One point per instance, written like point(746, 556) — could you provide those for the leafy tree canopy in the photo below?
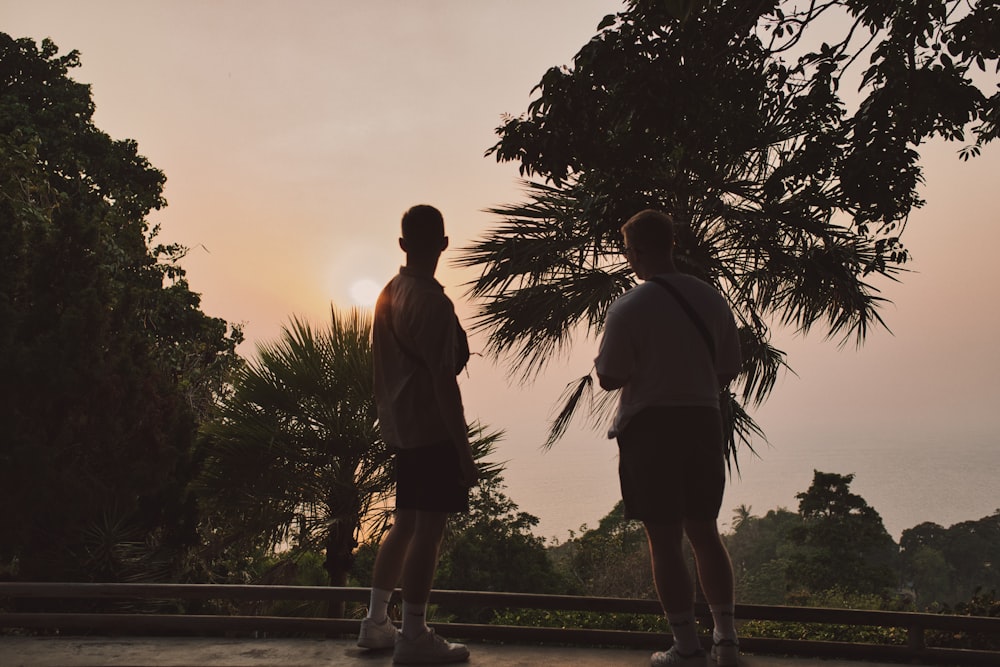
point(952, 565)
point(790, 196)
point(842, 542)
point(492, 549)
point(758, 547)
point(106, 361)
point(610, 560)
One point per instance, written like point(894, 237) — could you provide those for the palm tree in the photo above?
point(742, 517)
point(294, 462)
point(790, 207)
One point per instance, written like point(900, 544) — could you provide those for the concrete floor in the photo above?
point(214, 652)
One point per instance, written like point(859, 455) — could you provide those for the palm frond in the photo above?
point(571, 398)
point(738, 427)
point(757, 162)
point(296, 443)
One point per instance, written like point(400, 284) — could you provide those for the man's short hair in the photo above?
point(650, 230)
point(423, 227)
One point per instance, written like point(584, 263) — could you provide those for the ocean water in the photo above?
point(576, 483)
point(907, 485)
point(910, 415)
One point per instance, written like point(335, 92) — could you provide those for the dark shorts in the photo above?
point(671, 465)
point(428, 479)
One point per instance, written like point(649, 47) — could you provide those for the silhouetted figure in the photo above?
point(418, 348)
point(669, 344)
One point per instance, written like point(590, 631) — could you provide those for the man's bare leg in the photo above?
point(715, 569)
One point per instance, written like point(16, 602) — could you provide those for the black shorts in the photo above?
point(671, 465)
point(429, 479)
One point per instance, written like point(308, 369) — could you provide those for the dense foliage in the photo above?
point(611, 560)
point(492, 548)
point(791, 195)
point(841, 542)
point(778, 560)
point(489, 549)
point(836, 545)
point(833, 552)
point(835, 542)
point(980, 604)
point(294, 461)
point(759, 548)
point(952, 565)
point(106, 361)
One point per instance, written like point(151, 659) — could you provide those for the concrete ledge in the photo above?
point(215, 652)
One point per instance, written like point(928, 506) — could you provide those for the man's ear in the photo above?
point(402, 244)
point(444, 244)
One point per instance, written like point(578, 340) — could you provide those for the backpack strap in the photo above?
point(696, 319)
point(461, 340)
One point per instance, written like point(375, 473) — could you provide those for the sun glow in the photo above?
point(365, 292)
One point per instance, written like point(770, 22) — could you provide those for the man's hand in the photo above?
point(469, 471)
point(609, 383)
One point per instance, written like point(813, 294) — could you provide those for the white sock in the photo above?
point(724, 617)
point(685, 632)
point(379, 606)
point(414, 619)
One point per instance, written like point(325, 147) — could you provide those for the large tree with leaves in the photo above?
point(952, 565)
point(759, 548)
point(841, 543)
point(790, 196)
point(480, 547)
point(106, 360)
point(611, 560)
point(294, 462)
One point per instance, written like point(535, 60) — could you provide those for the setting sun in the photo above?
point(364, 292)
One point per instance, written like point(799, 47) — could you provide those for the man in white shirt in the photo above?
point(416, 350)
point(670, 344)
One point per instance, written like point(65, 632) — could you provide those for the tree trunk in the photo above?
point(339, 558)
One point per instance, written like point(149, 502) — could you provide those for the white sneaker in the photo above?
point(726, 652)
point(428, 649)
point(674, 657)
point(377, 635)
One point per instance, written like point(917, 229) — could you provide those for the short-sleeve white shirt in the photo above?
point(413, 337)
point(650, 342)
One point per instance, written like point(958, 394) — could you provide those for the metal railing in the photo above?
point(915, 624)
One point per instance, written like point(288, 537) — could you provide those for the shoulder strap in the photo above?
point(462, 342)
point(692, 313)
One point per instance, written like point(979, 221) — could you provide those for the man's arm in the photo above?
point(449, 403)
point(728, 355)
point(439, 317)
point(614, 362)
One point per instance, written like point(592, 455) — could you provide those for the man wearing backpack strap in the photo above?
point(669, 351)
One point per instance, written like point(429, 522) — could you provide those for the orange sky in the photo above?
point(294, 134)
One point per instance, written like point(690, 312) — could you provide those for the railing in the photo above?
point(915, 624)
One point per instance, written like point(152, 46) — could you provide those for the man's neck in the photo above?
point(422, 266)
point(656, 268)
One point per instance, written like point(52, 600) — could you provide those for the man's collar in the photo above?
point(410, 273)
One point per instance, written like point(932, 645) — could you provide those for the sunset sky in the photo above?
point(294, 134)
